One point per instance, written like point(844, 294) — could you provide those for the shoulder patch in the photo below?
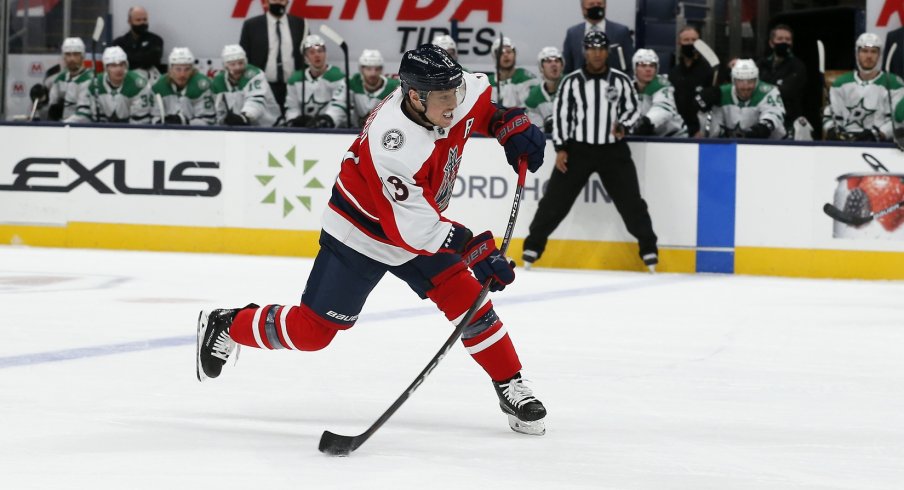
point(393, 140)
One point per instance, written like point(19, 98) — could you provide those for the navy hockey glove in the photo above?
point(233, 119)
point(758, 131)
point(515, 132)
point(482, 257)
point(456, 240)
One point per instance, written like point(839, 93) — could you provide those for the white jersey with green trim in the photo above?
point(130, 102)
point(363, 100)
point(250, 95)
point(539, 104)
point(72, 90)
point(315, 94)
point(657, 103)
point(513, 91)
point(193, 103)
point(857, 105)
point(734, 116)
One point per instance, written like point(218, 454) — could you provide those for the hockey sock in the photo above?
point(282, 327)
point(485, 337)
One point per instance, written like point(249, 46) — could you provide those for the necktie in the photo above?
point(280, 77)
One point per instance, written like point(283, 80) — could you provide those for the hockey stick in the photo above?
point(710, 56)
point(339, 445)
point(855, 220)
point(98, 30)
point(621, 56)
point(499, 70)
point(821, 53)
point(898, 139)
point(336, 38)
point(34, 109)
point(160, 108)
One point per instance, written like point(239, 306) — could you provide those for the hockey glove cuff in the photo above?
point(487, 262)
point(456, 240)
point(514, 131)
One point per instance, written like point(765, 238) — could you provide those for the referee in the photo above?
point(592, 109)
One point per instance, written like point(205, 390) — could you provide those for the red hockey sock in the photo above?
point(282, 327)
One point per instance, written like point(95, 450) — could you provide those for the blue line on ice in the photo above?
point(151, 344)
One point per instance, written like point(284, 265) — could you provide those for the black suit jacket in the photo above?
point(256, 41)
point(573, 49)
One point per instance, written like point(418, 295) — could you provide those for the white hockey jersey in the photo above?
point(512, 92)
point(363, 102)
point(315, 94)
point(194, 102)
point(733, 116)
point(857, 105)
point(130, 102)
point(397, 178)
point(72, 90)
point(250, 96)
point(539, 105)
point(657, 103)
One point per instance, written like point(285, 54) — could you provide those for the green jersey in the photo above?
point(512, 92)
point(539, 104)
point(193, 103)
point(363, 101)
point(734, 116)
point(657, 103)
point(314, 95)
point(129, 102)
point(250, 96)
point(857, 105)
point(72, 90)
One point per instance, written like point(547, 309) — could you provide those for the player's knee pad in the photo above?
point(283, 327)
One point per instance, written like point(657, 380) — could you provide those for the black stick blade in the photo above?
point(848, 219)
point(336, 445)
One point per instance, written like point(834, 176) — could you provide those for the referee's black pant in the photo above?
point(616, 169)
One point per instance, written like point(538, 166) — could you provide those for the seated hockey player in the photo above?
point(243, 96)
point(747, 107)
point(312, 90)
point(120, 95)
point(385, 215)
point(858, 108)
point(539, 102)
point(368, 87)
point(185, 92)
point(514, 83)
point(657, 99)
point(68, 99)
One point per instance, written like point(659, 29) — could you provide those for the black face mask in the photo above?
point(688, 51)
point(277, 9)
point(140, 29)
point(596, 13)
point(782, 50)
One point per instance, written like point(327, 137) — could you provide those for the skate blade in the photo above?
point(652, 269)
point(535, 428)
point(202, 327)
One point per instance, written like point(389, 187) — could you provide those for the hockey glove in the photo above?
point(865, 135)
point(298, 122)
point(707, 97)
point(547, 125)
point(644, 127)
point(55, 113)
point(832, 134)
point(485, 260)
point(39, 92)
point(324, 121)
point(175, 119)
point(758, 131)
point(233, 119)
point(456, 240)
point(514, 131)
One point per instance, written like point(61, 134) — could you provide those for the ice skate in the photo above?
point(651, 260)
point(214, 345)
point(525, 413)
point(529, 257)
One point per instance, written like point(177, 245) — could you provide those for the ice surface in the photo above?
point(651, 382)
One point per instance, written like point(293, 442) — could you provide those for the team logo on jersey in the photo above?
point(859, 113)
point(612, 94)
point(393, 139)
point(283, 180)
point(450, 171)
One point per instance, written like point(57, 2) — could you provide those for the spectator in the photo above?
point(540, 98)
point(368, 87)
point(185, 93)
point(120, 94)
point(689, 76)
point(657, 99)
point(859, 101)
point(748, 107)
point(243, 96)
point(514, 83)
point(143, 48)
point(272, 42)
point(595, 20)
point(69, 97)
point(311, 90)
point(589, 144)
point(785, 71)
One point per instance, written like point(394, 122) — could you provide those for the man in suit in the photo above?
point(595, 20)
point(272, 42)
point(144, 49)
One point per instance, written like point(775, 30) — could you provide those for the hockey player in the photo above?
point(120, 95)
point(657, 99)
point(859, 108)
point(243, 96)
point(385, 215)
point(539, 101)
point(368, 88)
point(514, 83)
point(185, 91)
point(748, 107)
point(311, 90)
point(446, 42)
point(69, 97)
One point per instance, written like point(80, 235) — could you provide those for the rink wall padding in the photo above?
point(717, 206)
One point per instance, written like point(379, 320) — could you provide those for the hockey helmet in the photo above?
point(596, 39)
point(867, 40)
point(645, 56)
point(428, 68)
point(745, 70)
point(233, 52)
point(181, 56)
point(370, 57)
point(445, 41)
point(311, 41)
point(549, 53)
point(507, 42)
point(73, 45)
point(115, 55)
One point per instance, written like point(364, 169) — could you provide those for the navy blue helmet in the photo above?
point(427, 68)
point(595, 39)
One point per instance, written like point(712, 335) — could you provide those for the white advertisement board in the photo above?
point(884, 15)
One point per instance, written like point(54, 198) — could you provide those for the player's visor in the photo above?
point(446, 97)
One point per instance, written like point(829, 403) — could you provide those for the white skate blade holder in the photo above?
point(535, 428)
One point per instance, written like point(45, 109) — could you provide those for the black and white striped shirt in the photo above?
point(587, 107)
